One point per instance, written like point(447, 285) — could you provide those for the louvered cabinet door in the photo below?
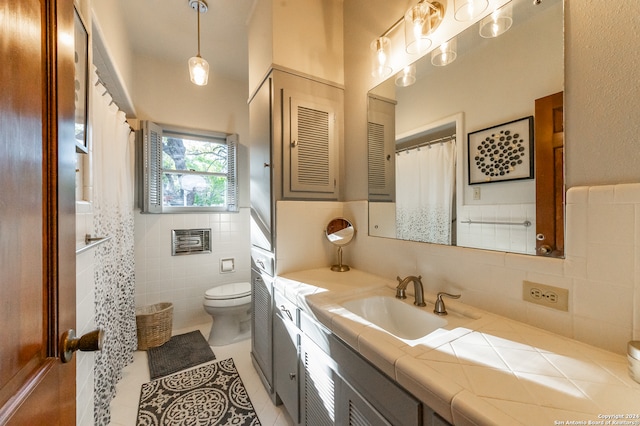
point(312, 146)
point(354, 410)
point(381, 150)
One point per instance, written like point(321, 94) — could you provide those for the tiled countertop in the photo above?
point(489, 370)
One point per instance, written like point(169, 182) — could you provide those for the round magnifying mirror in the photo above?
point(340, 232)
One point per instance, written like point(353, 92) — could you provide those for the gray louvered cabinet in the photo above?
point(355, 410)
point(381, 141)
point(296, 140)
point(318, 385)
point(262, 328)
point(310, 145)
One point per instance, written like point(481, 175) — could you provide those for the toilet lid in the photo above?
point(228, 291)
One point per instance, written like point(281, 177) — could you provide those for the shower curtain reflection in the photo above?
point(425, 189)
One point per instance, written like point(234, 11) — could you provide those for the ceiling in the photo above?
point(167, 29)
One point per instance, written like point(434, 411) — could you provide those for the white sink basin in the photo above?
point(396, 317)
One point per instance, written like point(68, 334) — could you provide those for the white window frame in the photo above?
point(151, 170)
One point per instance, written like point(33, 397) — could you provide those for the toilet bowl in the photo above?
point(230, 307)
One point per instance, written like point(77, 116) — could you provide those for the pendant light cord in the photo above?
point(198, 29)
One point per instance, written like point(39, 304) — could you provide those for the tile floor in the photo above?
point(124, 407)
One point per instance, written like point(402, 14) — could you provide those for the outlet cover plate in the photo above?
point(546, 295)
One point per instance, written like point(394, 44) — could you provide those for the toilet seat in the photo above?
point(234, 294)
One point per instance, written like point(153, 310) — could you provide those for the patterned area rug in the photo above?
point(179, 353)
point(205, 396)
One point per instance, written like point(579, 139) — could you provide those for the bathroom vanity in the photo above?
point(321, 380)
point(332, 366)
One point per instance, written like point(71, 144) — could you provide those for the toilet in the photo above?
point(230, 307)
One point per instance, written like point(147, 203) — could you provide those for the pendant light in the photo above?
point(198, 66)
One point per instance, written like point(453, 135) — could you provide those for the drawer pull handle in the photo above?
point(286, 311)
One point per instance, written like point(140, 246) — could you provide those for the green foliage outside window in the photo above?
point(194, 172)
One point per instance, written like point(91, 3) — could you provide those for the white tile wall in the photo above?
point(183, 280)
point(85, 316)
point(516, 239)
point(601, 269)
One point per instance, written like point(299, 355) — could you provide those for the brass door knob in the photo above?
point(69, 343)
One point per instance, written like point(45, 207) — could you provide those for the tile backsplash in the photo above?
point(601, 269)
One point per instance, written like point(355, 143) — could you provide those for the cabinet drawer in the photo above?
point(316, 331)
point(394, 403)
point(285, 309)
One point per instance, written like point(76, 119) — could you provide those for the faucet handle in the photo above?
point(439, 308)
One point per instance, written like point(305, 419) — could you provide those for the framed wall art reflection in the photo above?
point(81, 81)
point(501, 153)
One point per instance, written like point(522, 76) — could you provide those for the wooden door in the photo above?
point(549, 148)
point(37, 222)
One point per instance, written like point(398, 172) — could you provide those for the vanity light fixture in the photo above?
point(407, 76)
point(467, 10)
point(420, 21)
point(198, 66)
point(380, 54)
point(445, 53)
point(497, 22)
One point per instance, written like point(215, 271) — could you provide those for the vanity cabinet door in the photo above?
point(262, 327)
point(389, 399)
point(318, 385)
point(286, 337)
point(353, 409)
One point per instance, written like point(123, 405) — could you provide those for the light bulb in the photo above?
point(199, 70)
point(382, 57)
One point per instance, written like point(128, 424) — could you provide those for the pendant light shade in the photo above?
point(417, 25)
point(467, 10)
point(498, 22)
point(198, 70)
point(380, 57)
point(407, 76)
point(198, 67)
point(445, 53)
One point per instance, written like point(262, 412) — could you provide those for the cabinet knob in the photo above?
point(267, 165)
point(292, 376)
point(294, 144)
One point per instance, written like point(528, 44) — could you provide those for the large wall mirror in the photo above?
point(471, 153)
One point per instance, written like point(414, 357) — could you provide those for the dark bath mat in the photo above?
point(179, 353)
point(205, 396)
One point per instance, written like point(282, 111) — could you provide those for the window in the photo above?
point(185, 171)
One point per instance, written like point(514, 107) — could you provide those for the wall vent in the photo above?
point(190, 241)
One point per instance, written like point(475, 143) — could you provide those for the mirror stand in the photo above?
point(340, 267)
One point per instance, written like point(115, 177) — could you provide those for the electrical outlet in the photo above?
point(545, 295)
point(476, 192)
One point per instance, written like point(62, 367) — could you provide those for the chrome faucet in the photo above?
point(417, 289)
point(439, 308)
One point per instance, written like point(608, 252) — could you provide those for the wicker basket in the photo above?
point(154, 324)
